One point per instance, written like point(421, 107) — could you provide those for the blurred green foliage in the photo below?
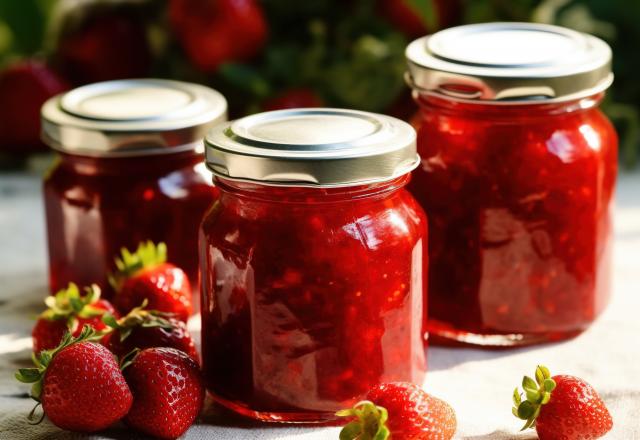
point(347, 52)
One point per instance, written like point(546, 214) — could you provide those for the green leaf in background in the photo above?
point(426, 10)
point(244, 78)
point(372, 77)
point(23, 23)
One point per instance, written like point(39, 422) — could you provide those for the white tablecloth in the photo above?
point(477, 383)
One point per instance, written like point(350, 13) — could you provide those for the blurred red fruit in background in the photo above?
point(24, 87)
point(99, 45)
point(212, 32)
point(293, 98)
point(405, 15)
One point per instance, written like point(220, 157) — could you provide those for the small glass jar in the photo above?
point(517, 176)
point(313, 263)
point(129, 170)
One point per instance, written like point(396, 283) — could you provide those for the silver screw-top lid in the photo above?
point(319, 147)
point(509, 62)
point(131, 117)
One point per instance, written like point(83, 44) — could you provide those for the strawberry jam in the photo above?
point(312, 293)
point(129, 170)
point(96, 206)
point(518, 193)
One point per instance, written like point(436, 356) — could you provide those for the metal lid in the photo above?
point(131, 117)
point(322, 147)
point(509, 61)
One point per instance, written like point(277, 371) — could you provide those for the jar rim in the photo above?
point(136, 117)
point(509, 62)
point(316, 147)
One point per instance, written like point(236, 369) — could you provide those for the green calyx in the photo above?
point(44, 358)
point(128, 264)
point(536, 393)
point(70, 305)
point(368, 424)
point(138, 317)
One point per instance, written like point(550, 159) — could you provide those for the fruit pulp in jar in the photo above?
point(311, 296)
point(96, 206)
point(519, 199)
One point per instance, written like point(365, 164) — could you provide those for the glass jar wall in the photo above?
point(525, 256)
point(301, 285)
point(96, 206)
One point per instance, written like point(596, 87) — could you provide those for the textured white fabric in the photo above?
point(477, 383)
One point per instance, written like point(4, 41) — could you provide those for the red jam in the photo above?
point(310, 296)
point(96, 206)
point(519, 199)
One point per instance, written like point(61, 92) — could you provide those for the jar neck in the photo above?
point(432, 102)
point(306, 195)
point(144, 165)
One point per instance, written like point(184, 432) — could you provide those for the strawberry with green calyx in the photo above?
point(561, 407)
point(68, 310)
point(78, 384)
point(142, 328)
point(146, 275)
point(399, 411)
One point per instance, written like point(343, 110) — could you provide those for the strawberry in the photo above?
point(561, 407)
point(146, 276)
point(218, 31)
point(167, 392)
point(69, 311)
point(293, 98)
point(399, 411)
point(79, 384)
point(24, 87)
point(146, 329)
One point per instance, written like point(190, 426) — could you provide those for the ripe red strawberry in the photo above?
point(146, 276)
point(561, 407)
point(399, 411)
point(69, 311)
point(219, 31)
point(24, 87)
point(167, 392)
point(293, 98)
point(105, 42)
point(146, 329)
point(79, 384)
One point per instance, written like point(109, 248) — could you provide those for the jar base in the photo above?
point(298, 417)
point(445, 335)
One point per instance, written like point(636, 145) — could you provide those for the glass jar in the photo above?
point(129, 170)
point(313, 263)
point(517, 176)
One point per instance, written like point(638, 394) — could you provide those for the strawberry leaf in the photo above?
point(538, 393)
point(145, 256)
point(128, 358)
point(369, 424)
point(28, 375)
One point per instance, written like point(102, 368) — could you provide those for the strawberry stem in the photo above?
point(70, 305)
point(369, 422)
point(137, 317)
point(129, 263)
point(536, 392)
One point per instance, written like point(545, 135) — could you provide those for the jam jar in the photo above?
point(517, 176)
point(129, 169)
point(313, 262)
